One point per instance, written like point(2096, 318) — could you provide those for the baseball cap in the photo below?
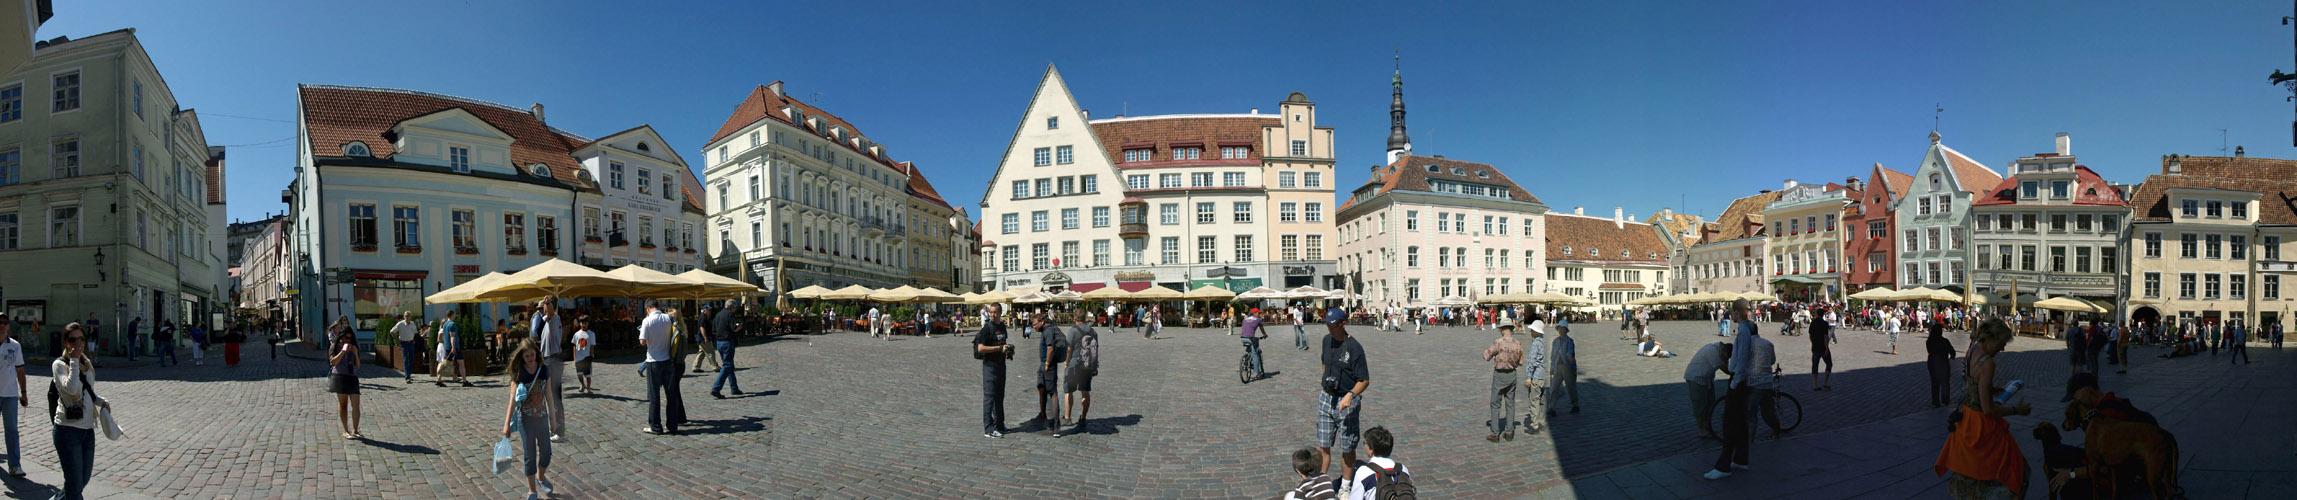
point(2077, 382)
point(1335, 316)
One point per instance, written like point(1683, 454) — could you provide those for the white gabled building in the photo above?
point(640, 211)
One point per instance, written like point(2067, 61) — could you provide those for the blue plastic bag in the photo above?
point(502, 455)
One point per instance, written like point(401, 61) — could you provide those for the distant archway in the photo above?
point(2145, 314)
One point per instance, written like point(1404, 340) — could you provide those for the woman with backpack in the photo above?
point(69, 393)
point(529, 414)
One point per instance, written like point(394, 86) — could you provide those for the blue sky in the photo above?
point(1637, 104)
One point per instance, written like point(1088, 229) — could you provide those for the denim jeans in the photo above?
point(407, 354)
point(1252, 346)
point(1299, 337)
point(662, 398)
point(76, 455)
point(726, 368)
point(15, 441)
point(534, 433)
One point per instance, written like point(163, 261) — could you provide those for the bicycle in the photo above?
point(1244, 372)
point(1787, 411)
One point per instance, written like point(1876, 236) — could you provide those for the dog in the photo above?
point(2114, 445)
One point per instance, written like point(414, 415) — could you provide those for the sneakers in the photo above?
point(993, 434)
point(1716, 474)
point(554, 439)
point(650, 430)
point(16, 471)
point(546, 487)
point(1739, 467)
point(714, 394)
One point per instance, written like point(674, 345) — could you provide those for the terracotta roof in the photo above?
point(691, 191)
point(1162, 133)
point(1582, 233)
point(2089, 190)
point(1897, 181)
point(923, 189)
point(1411, 173)
point(336, 115)
point(1734, 223)
point(2278, 206)
point(764, 103)
point(1971, 174)
point(214, 175)
point(2268, 169)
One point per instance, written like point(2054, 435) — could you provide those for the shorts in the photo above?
point(582, 367)
point(343, 384)
point(1080, 383)
point(1337, 428)
point(1049, 381)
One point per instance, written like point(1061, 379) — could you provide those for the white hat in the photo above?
point(1539, 327)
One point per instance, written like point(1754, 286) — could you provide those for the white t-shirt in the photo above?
point(582, 344)
point(655, 332)
point(1295, 312)
point(1365, 486)
point(405, 330)
point(11, 358)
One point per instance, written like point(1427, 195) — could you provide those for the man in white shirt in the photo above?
point(1299, 333)
point(874, 324)
point(546, 329)
point(12, 394)
point(410, 344)
point(661, 370)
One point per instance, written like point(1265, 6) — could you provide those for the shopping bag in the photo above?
point(502, 455)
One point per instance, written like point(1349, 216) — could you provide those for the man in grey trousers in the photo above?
point(1505, 355)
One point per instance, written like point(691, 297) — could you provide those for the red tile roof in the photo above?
point(1743, 219)
point(2277, 206)
point(1581, 233)
point(2089, 190)
point(2268, 169)
point(1411, 173)
point(923, 189)
point(1971, 174)
point(1162, 133)
point(1897, 181)
point(334, 116)
point(764, 103)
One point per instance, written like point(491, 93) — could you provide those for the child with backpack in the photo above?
point(1381, 477)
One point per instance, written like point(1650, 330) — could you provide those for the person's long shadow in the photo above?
point(25, 488)
point(400, 448)
point(599, 395)
point(726, 426)
point(1110, 426)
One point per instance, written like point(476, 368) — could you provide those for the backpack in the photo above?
point(1060, 345)
point(1392, 483)
point(1087, 358)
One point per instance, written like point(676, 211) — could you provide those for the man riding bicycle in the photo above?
point(1250, 334)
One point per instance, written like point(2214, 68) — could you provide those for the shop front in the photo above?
point(378, 296)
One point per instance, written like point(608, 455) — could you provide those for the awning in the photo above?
point(1794, 279)
point(1134, 286)
point(1087, 287)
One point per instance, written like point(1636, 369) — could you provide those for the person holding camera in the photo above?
point(990, 347)
point(1346, 376)
point(75, 420)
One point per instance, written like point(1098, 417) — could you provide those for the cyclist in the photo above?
point(1250, 334)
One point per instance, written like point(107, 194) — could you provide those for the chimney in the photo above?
point(1376, 170)
point(1852, 182)
point(1255, 111)
point(2170, 165)
point(536, 110)
point(2237, 153)
point(1618, 213)
point(2065, 144)
point(1578, 210)
point(776, 87)
point(1790, 185)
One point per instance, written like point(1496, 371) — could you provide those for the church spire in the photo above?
point(1399, 144)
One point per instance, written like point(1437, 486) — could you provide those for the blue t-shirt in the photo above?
point(1565, 353)
point(447, 335)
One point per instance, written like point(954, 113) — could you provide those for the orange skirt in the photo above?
point(1982, 448)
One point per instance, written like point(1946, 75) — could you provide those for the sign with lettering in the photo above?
point(1056, 278)
point(2275, 265)
point(1135, 276)
point(1299, 270)
point(466, 269)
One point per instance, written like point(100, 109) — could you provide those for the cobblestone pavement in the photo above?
point(847, 416)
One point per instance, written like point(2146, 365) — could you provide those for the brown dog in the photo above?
point(2113, 445)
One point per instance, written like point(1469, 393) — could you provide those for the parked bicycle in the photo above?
point(1785, 411)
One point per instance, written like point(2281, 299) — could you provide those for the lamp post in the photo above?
point(1227, 275)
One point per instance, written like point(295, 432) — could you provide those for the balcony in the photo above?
point(1131, 230)
point(873, 226)
point(615, 239)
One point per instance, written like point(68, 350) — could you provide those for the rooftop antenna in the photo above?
point(2221, 142)
point(1936, 110)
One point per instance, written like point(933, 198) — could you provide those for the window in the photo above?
point(1299, 147)
point(1412, 290)
point(2237, 286)
point(1314, 212)
point(1412, 257)
point(2110, 223)
point(2107, 262)
point(1312, 179)
point(1933, 239)
point(1232, 179)
point(2271, 287)
point(2187, 284)
point(1290, 245)
point(2058, 189)
point(11, 166)
point(1040, 256)
point(1068, 218)
point(1202, 179)
point(1189, 153)
point(2211, 286)
point(514, 232)
point(1100, 216)
point(2272, 246)
point(1234, 152)
point(1168, 180)
point(2216, 209)
point(1052, 123)
point(1064, 155)
point(1487, 224)
point(1316, 247)
point(65, 161)
point(1444, 257)
point(2058, 223)
point(8, 231)
point(2213, 250)
point(1020, 189)
point(2189, 208)
point(466, 232)
point(1039, 221)
point(1140, 181)
point(2240, 246)
point(12, 104)
point(2240, 210)
point(645, 180)
point(1956, 240)
point(1044, 157)
point(590, 223)
point(2189, 246)
point(1985, 223)
point(1011, 223)
point(1443, 222)
point(1133, 155)
point(1935, 275)
point(2057, 259)
point(2153, 245)
point(1925, 207)
point(1044, 187)
point(1091, 183)
point(1100, 253)
point(614, 174)
point(2153, 285)
point(1985, 257)
point(2026, 258)
point(2029, 223)
point(1171, 247)
point(1243, 210)
point(1285, 179)
point(1913, 241)
point(1168, 213)
point(546, 234)
point(1412, 220)
point(407, 225)
point(1204, 213)
point(2082, 223)
point(1068, 254)
point(67, 93)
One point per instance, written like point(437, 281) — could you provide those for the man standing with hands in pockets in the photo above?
point(990, 347)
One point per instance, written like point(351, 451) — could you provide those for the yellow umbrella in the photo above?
point(1108, 293)
point(1875, 294)
point(930, 295)
point(989, 297)
point(466, 292)
point(809, 292)
point(1975, 299)
point(639, 281)
point(2068, 304)
point(903, 293)
point(850, 292)
point(720, 286)
point(1158, 293)
point(552, 278)
point(1552, 298)
point(1068, 296)
point(1505, 298)
point(1758, 297)
point(1209, 292)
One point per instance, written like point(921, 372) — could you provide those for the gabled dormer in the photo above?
point(453, 138)
point(634, 162)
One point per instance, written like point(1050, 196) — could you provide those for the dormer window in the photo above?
point(1483, 174)
point(1432, 168)
point(1459, 171)
point(1594, 252)
point(539, 170)
point(1567, 250)
point(459, 158)
point(643, 148)
point(356, 149)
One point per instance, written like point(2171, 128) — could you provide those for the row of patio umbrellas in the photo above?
point(562, 279)
point(1926, 294)
point(1700, 298)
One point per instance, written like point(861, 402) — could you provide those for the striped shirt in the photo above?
point(1315, 488)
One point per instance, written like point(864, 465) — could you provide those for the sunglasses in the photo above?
point(75, 338)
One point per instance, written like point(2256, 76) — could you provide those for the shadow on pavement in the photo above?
point(400, 448)
point(25, 488)
point(1110, 426)
point(726, 426)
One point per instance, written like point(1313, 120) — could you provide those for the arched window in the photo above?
point(356, 148)
point(642, 147)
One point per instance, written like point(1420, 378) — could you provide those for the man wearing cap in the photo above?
point(1346, 375)
point(1250, 334)
point(1299, 328)
point(2084, 387)
point(1535, 371)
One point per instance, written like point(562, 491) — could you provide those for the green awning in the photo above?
point(1795, 279)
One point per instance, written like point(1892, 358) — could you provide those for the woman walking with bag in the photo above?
point(529, 414)
point(73, 387)
point(343, 380)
